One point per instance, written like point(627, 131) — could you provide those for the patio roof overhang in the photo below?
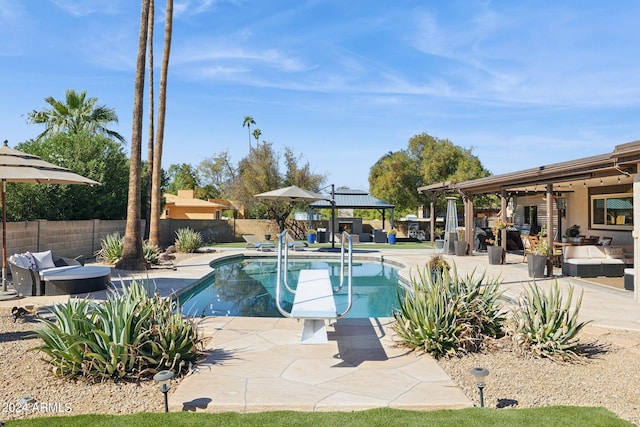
point(604, 168)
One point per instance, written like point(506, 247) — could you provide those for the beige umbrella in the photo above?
point(16, 166)
point(291, 194)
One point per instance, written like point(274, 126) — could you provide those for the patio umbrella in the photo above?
point(291, 194)
point(16, 166)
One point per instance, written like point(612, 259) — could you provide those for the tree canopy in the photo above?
point(90, 155)
point(427, 160)
point(260, 172)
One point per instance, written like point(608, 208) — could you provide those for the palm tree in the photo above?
point(248, 121)
point(75, 114)
point(132, 253)
point(150, 145)
point(156, 196)
point(256, 135)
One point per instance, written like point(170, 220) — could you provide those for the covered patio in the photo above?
point(562, 194)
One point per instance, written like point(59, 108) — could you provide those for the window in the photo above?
point(612, 211)
point(531, 215)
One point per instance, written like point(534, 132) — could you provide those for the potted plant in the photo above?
point(438, 232)
point(267, 233)
point(311, 235)
point(538, 259)
point(496, 253)
point(437, 265)
point(391, 236)
point(573, 232)
point(460, 245)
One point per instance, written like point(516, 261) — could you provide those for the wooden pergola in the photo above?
point(550, 180)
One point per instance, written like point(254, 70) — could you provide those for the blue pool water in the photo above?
point(247, 287)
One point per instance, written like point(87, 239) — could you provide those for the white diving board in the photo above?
point(314, 302)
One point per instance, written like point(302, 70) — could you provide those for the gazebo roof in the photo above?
point(352, 199)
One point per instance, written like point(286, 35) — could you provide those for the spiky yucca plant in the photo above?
point(544, 326)
point(132, 334)
point(188, 240)
point(111, 250)
point(443, 314)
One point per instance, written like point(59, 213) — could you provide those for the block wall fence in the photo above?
point(83, 238)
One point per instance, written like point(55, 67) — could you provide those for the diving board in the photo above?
point(314, 302)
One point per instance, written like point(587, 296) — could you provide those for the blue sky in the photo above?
point(523, 83)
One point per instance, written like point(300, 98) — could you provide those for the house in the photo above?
point(597, 193)
point(185, 206)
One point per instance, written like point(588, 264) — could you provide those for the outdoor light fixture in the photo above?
point(480, 374)
point(164, 379)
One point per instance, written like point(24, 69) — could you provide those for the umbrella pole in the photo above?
point(4, 235)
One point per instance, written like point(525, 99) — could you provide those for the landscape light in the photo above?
point(164, 379)
point(480, 374)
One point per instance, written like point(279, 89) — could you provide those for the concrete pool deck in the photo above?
point(257, 364)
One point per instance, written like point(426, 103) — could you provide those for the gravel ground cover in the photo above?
point(609, 378)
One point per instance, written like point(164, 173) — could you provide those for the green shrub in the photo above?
point(443, 314)
point(130, 335)
point(111, 250)
point(188, 240)
point(151, 253)
point(544, 326)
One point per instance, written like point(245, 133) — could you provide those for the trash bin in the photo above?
point(321, 236)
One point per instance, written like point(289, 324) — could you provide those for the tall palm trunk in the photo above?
point(132, 254)
point(147, 217)
point(156, 196)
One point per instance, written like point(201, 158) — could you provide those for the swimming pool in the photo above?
point(247, 287)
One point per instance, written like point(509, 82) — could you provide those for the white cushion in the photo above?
point(584, 261)
point(19, 260)
point(44, 260)
point(595, 251)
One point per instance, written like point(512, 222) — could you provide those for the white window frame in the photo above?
point(605, 197)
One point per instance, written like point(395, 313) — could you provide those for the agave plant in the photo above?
point(130, 335)
point(545, 326)
point(442, 314)
point(188, 240)
point(111, 250)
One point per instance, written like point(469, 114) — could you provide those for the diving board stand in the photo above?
point(314, 302)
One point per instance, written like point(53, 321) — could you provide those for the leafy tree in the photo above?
point(216, 174)
point(427, 160)
point(132, 252)
point(75, 114)
point(259, 172)
point(90, 155)
point(182, 177)
point(248, 121)
point(394, 179)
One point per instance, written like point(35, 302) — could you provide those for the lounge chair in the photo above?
point(296, 245)
point(254, 243)
point(40, 273)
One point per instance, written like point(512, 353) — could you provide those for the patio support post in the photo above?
point(432, 215)
point(469, 236)
point(636, 236)
point(503, 217)
point(550, 229)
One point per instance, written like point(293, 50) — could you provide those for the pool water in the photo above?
point(247, 287)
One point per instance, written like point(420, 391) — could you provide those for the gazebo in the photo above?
point(352, 199)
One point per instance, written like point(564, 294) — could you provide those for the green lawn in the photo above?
point(548, 417)
point(363, 246)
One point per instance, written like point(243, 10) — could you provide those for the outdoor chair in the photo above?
point(296, 245)
point(530, 244)
point(254, 243)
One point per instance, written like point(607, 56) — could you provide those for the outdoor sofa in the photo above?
point(41, 273)
point(594, 261)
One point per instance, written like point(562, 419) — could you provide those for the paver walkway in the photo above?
point(256, 364)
